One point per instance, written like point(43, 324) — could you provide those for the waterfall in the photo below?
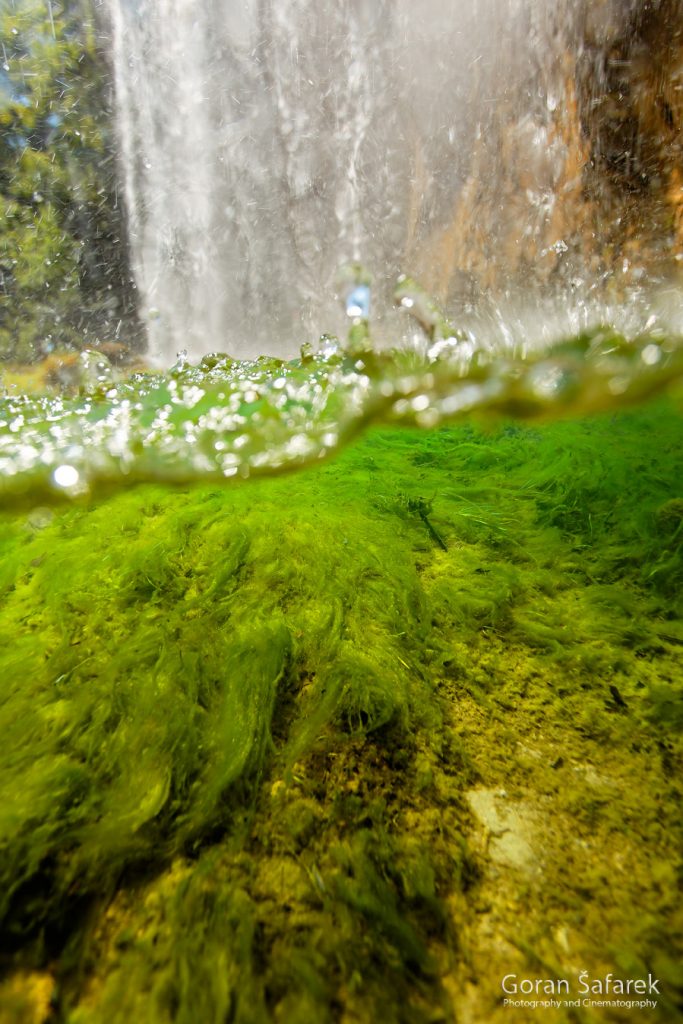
point(266, 144)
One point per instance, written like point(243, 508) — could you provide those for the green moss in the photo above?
point(240, 726)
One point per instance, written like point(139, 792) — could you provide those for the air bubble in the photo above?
point(66, 476)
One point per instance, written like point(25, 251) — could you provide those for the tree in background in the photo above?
point(65, 282)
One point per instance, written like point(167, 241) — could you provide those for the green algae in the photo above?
point(242, 729)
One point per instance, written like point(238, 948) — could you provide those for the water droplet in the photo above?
point(329, 346)
point(651, 355)
point(66, 476)
point(549, 381)
point(94, 369)
point(181, 363)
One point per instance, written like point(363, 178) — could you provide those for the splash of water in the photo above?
point(226, 419)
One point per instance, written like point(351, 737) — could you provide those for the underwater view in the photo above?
point(340, 673)
point(357, 742)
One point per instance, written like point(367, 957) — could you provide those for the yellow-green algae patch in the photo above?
point(353, 744)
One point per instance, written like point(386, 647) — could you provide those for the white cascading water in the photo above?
point(266, 143)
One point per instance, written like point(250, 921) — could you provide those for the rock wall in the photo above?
point(587, 189)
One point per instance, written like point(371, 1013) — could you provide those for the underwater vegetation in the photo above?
point(350, 744)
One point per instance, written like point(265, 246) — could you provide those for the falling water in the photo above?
point(266, 144)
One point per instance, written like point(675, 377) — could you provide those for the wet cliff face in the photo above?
point(633, 123)
point(586, 194)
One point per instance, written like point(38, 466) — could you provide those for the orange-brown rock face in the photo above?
point(584, 190)
point(633, 118)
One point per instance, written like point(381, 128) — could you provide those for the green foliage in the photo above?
point(64, 282)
